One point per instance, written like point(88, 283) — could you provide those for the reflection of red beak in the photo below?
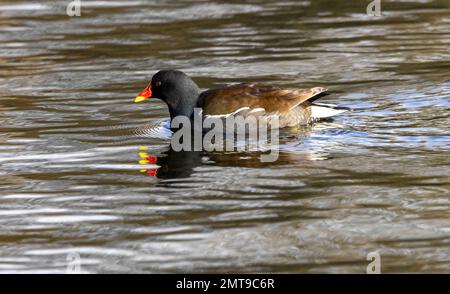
point(147, 159)
point(145, 94)
point(152, 172)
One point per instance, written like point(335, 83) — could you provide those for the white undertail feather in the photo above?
point(322, 110)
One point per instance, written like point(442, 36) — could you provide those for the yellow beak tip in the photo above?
point(139, 99)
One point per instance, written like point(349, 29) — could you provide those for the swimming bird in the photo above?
point(293, 107)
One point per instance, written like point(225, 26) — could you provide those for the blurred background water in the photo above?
point(375, 179)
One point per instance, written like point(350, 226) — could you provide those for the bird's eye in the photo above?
point(157, 84)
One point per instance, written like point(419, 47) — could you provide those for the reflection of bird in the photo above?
point(170, 164)
point(181, 164)
point(292, 107)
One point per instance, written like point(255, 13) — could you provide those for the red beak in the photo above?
point(145, 94)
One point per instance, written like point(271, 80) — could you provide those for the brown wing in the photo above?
point(272, 99)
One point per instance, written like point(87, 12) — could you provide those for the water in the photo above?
point(374, 179)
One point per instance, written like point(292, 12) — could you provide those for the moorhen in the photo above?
point(292, 106)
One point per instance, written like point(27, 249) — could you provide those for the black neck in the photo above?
point(184, 106)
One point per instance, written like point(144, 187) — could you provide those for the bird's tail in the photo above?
point(322, 110)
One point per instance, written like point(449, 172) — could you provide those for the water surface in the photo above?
point(374, 179)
